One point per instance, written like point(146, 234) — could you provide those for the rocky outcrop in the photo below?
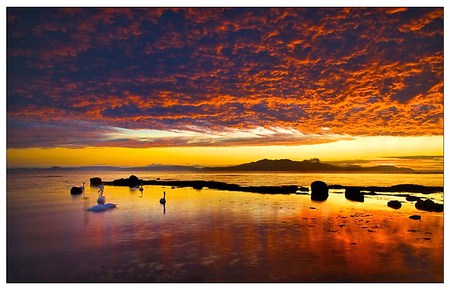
point(319, 191)
point(395, 204)
point(429, 205)
point(354, 194)
point(200, 184)
point(132, 181)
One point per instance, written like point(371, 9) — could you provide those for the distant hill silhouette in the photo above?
point(313, 165)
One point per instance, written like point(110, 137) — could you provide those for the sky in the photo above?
point(223, 86)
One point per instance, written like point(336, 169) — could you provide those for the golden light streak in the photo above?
point(363, 148)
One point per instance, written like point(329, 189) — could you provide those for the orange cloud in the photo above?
point(355, 71)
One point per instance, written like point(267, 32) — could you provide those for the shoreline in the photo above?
point(285, 189)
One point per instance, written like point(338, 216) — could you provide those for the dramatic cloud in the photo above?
point(143, 77)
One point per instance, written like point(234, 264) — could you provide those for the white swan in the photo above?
point(102, 207)
point(101, 198)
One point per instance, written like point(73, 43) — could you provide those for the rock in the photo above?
point(96, 181)
point(429, 205)
point(197, 186)
point(395, 204)
point(412, 198)
point(319, 191)
point(415, 217)
point(303, 189)
point(76, 190)
point(354, 194)
point(133, 181)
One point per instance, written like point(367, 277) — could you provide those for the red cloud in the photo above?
point(355, 71)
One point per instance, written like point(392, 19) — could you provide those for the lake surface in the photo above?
point(218, 236)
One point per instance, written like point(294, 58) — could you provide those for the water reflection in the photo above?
point(211, 235)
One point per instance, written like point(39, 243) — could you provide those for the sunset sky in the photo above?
point(223, 86)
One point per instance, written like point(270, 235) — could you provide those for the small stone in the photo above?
point(415, 217)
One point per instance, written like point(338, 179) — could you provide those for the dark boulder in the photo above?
point(395, 204)
point(76, 190)
point(415, 217)
point(319, 191)
point(354, 194)
point(133, 181)
point(429, 205)
point(96, 181)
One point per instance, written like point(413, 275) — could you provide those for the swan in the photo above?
point(102, 207)
point(101, 198)
point(77, 189)
point(163, 199)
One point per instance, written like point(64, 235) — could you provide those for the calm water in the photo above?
point(211, 235)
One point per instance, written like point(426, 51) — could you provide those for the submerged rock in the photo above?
point(395, 204)
point(319, 190)
point(354, 194)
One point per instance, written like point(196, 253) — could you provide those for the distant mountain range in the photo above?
point(313, 165)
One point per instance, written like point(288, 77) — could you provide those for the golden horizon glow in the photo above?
point(359, 148)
